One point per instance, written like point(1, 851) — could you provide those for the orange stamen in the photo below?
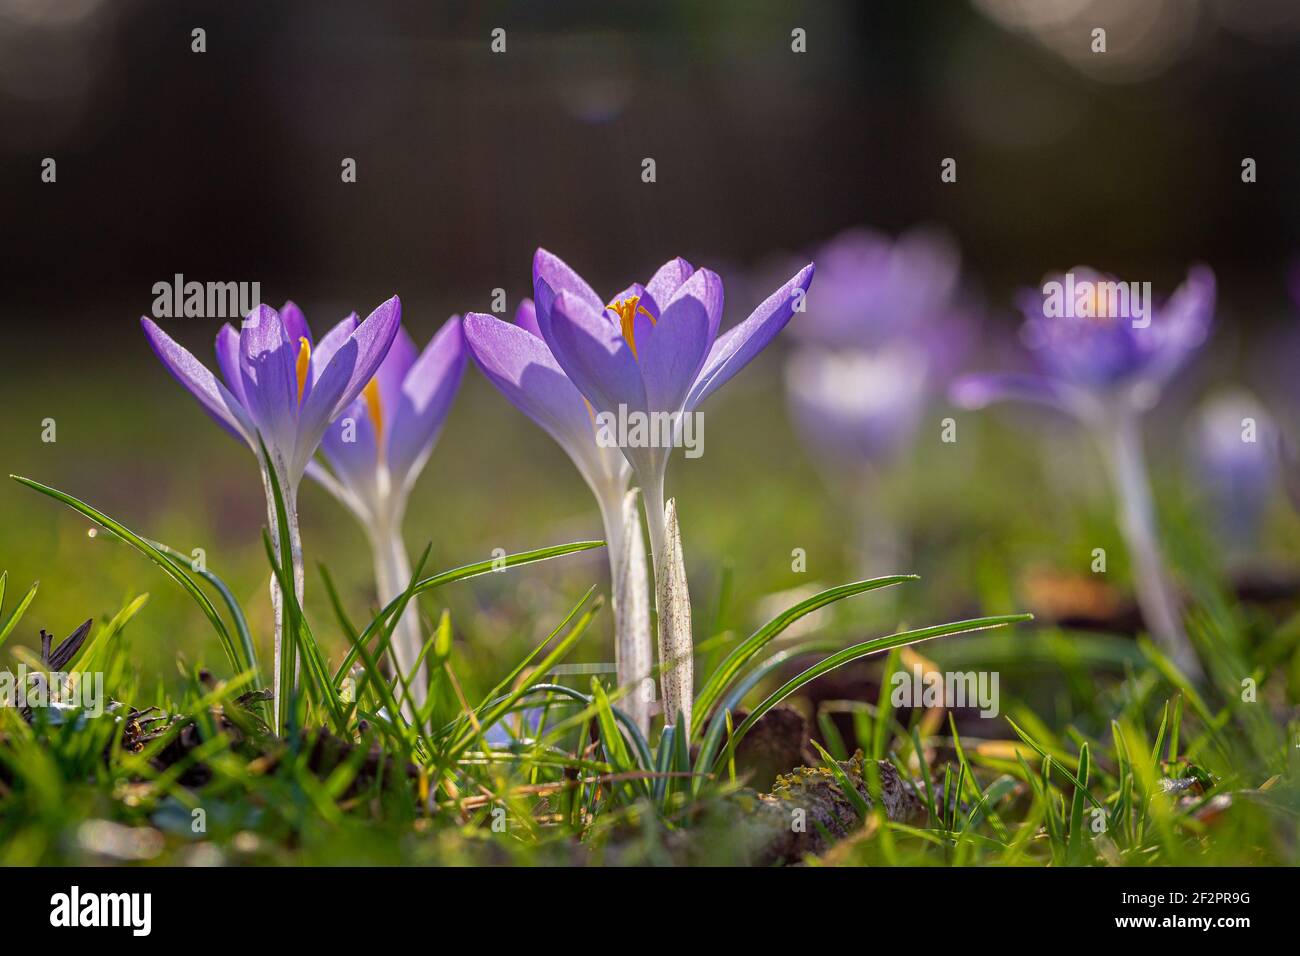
point(626, 310)
point(304, 365)
point(375, 407)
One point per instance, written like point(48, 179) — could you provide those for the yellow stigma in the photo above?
point(304, 365)
point(626, 310)
point(376, 409)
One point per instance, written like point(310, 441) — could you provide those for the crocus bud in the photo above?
point(675, 644)
point(632, 618)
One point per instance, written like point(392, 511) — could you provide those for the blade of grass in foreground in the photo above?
point(459, 574)
point(169, 565)
point(733, 663)
point(17, 615)
point(854, 652)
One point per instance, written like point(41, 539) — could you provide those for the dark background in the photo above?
point(226, 165)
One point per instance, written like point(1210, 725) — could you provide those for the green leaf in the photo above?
point(160, 558)
point(1048, 762)
point(745, 651)
point(1076, 845)
point(21, 609)
point(856, 651)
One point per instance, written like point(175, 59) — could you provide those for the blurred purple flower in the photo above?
point(277, 385)
point(884, 326)
point(1096, 367)
point(873, 290)
point(1105, 361)
point(376, 450)
point(1234, 446)
point(855, 406)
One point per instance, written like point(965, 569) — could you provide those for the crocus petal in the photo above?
point(593, 353)
point(266, 363)
point(345, 374)
point(667, 280)
point(296, 328)
point(673, 351)
point(1184, 323)
point(425, 398)
point(393, 371)
point(350, 448)
point(374, 336)
point(228, 361)
point(520, 365)
point(295, 323)
point(734, 349)
point(215, 398)
point(526, 317)
point(551, 276)
point(324, 350)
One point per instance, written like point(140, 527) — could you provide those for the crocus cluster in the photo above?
point(373, 405)
point(1105, 363)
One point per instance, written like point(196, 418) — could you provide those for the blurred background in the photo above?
point(225, 166)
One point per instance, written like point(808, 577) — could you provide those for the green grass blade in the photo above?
point(856, 651)
point(734, 662)
point(17, 615)
point(1075, 847)
point(168, 565)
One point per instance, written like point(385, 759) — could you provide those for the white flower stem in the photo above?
point(1122, 446)
point(652, 494)
point(672, 606)
point(392, 576)
point(290, 495)
point(633, 646)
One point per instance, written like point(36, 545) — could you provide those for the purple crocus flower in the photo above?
point(518, 362)
point(282, 388)
point(377, 448)
point(653, 350)
point(1104, 359)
